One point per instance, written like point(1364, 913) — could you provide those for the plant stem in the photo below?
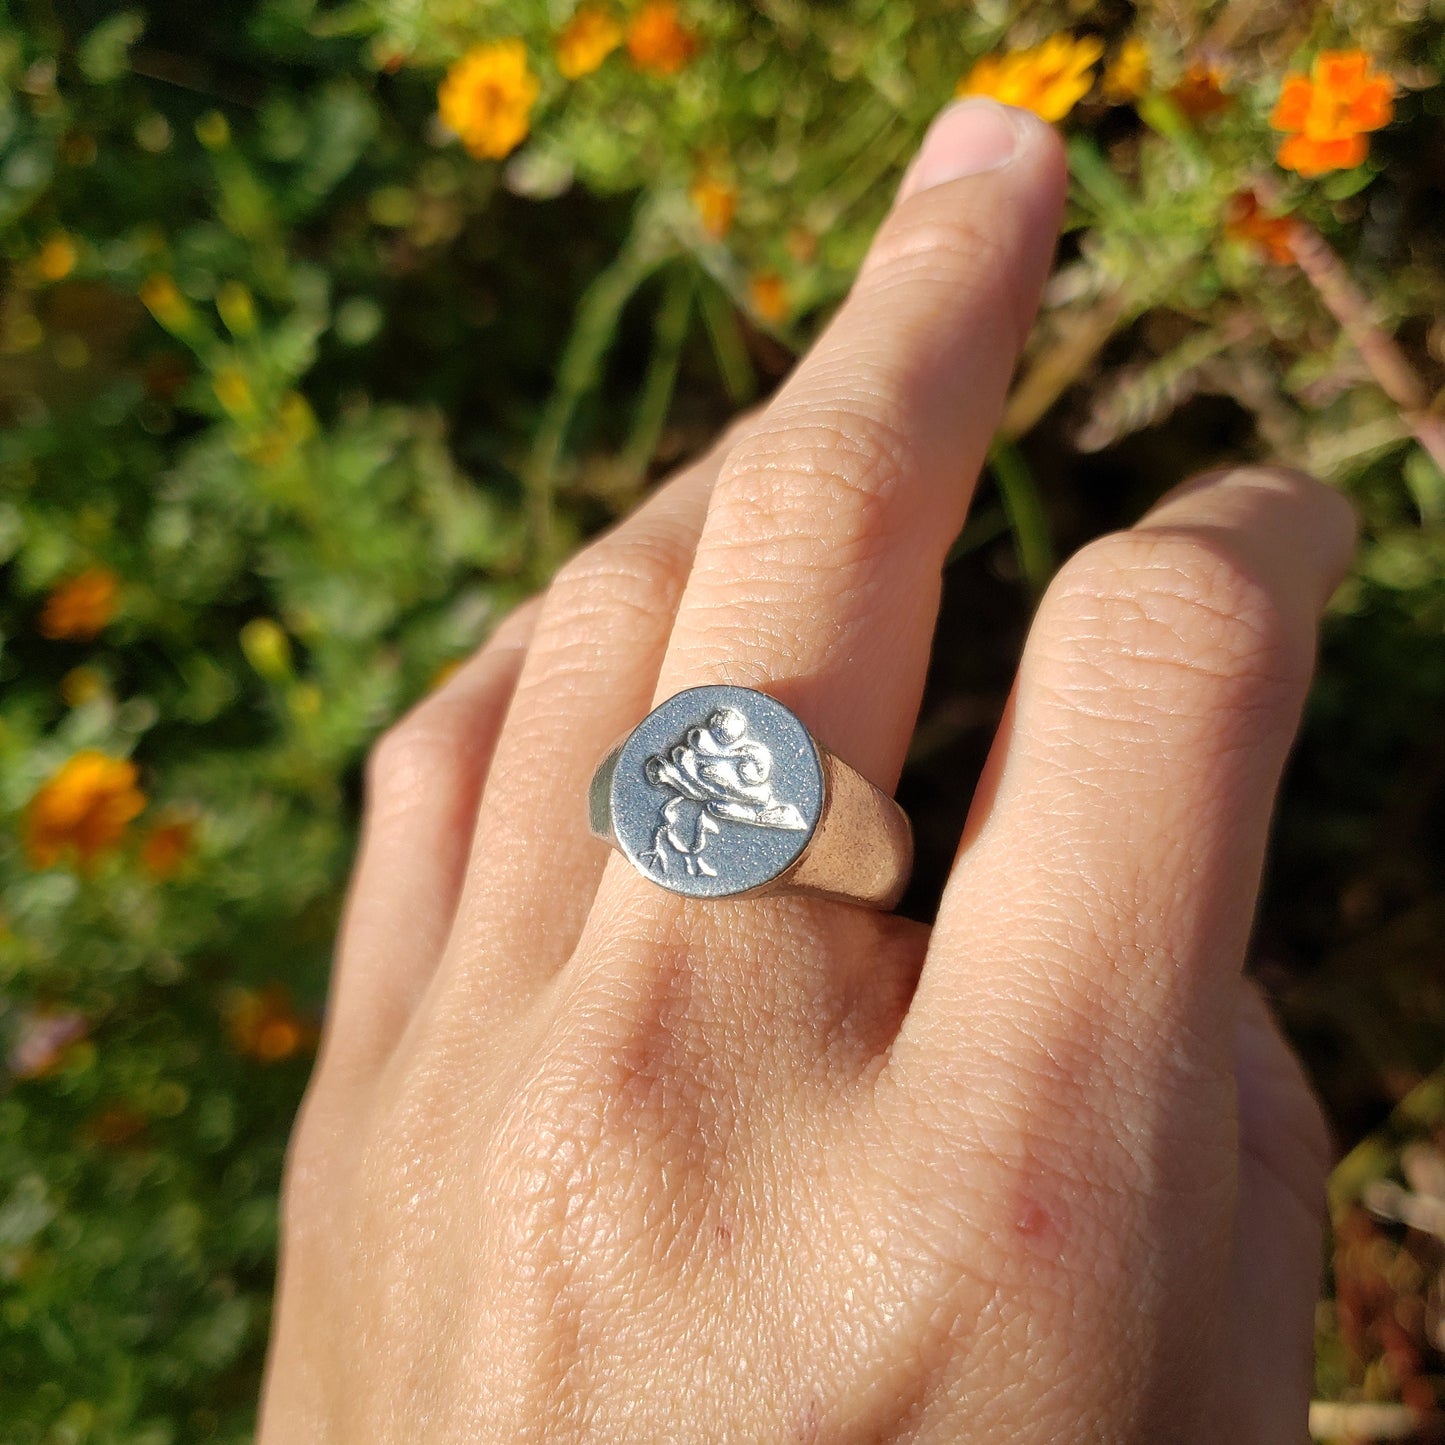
point(1061, 363)
point(720, 317)
point(580, 369)
point(1349, 305)
point(1025, 508)
point(669, 333)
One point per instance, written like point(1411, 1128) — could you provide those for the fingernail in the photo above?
point(970, 137)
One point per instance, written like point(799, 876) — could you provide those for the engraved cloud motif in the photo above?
point(717, 773)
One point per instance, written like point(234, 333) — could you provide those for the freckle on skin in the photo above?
point(724, 1235)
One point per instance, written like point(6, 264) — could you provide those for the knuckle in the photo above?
point(936, 252)
point(636, 569)
point(311, 1162)
point(408, 759)
point(1143, 605)
point(826, 478)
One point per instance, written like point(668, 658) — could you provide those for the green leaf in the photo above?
point(1426, 483)
point(104, 54)
point(1025, 508)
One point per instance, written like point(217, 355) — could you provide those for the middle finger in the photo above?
point(818, 572)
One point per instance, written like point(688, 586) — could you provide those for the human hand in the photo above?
point(583, 1159)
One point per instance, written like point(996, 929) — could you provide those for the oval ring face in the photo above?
point(716, 792)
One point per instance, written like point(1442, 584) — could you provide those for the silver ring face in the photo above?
point(716, 792)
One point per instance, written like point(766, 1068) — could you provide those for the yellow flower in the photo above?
point(267, 647)
point(1050, 79)
point(1127, 75)
point(81, 607)
point(81, 685)
point(768, 293)
point(233, 391)
point(715, 203)
point(586, 40)
point(487, 98)
point(83, 808)
point(57, 257)
point(164, 301)
point(237, 308)
point(658, 42)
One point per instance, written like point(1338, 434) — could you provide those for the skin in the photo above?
point(583, 1160)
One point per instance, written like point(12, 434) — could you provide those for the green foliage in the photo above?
point(324, 395)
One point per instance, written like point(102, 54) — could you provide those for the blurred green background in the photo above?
point(300, 392)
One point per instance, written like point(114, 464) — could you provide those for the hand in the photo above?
point(583, 1159)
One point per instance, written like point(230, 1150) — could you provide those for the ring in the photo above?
point(721, 792)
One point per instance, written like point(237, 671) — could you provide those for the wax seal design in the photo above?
point(715, 793)
point(718, 773)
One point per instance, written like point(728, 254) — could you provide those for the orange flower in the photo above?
point(83, 808)
point(264, 1026)
point(657, 40)
point(117, 1126)
point(802, 244)
point(1330, 111)
point(586, 40)
point(82, 607)
point(1127, 75)
point(57, 257)
point(1200, 92)
point(166, 847)
point(768, 293)
point(1050, 79)
point(715, 203)
point(487, 98)
point(1274, 235)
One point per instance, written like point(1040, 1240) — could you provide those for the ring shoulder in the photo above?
point(599, 797)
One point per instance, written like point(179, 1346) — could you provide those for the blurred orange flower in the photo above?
point(1049, 79)
point(715, 202)
point(83, 808)
point(57, 257)
point(586, 40)
point(1330, 111)
point(1127, 75)
point(658, 42)
point(1200, 91)
point(117, 1126)
point(166, 847)
point(1274, 235)
point(264, 1026)
point(82, 607)
point(768, 293)
point(487, 97)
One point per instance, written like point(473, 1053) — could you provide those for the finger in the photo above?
point(1121, 842)
point(424, 781)
point(589, 675)
point(1284, 1159)
point(1072, 1034)
point(818, 572)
